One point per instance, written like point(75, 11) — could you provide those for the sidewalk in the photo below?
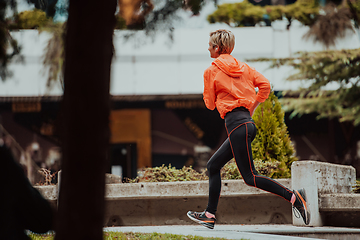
point(252, 232)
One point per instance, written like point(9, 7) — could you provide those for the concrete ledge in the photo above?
point(339, 202)
point(50, 192)
point(188, 189)
point(166, 203)
point(327, 186)
point(143, 204)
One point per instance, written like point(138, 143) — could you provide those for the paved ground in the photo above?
point(253, 232)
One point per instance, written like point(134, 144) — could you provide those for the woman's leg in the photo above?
point(240, 140)
point(214, 165)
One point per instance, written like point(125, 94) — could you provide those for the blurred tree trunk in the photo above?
point(85, 110)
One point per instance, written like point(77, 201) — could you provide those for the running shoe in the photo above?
point(300, 206)
point(201, 218)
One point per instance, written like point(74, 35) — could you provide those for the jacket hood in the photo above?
point(229, 65)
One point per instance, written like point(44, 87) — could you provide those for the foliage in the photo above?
point(275, 12)
point(109, 235)
point(245, 13)
point(339, 68)
point(171, 174)
point(272, 142)
point(54, 53)
point(238, 14)
point(31, 19)
point(305, 11)
point(330, 25)
point(194, 5)
point(9, 49)
point(47, 236)
point(326, 23)
point(48, 177)
point(168, 174)
point(230, 170)
point(161, 18)
point(53, 59)
point(357, 187)
point(354, 6)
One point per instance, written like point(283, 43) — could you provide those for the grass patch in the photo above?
point(146, 236)
point(48, 236)
point(108, 235)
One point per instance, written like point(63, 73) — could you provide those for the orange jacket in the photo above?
point(229, 84)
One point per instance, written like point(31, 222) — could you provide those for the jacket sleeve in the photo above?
point(209, 90)
point(263, 84)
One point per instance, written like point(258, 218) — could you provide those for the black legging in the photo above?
point(241, 131)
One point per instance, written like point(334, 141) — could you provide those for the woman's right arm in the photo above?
point(263, 84)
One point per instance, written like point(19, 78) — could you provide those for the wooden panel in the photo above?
point(26, 106)
point(133, 126)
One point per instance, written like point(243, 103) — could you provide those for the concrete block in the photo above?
point(188, 189)
point(339, 202)
point(167, 203)
point(49, 192)
point(251, 209)
point(111, 178)
point(320, 178)
point(303, 175)
point(155, 190)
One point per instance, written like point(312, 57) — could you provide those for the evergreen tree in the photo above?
point(321, 69)
point(272, 143)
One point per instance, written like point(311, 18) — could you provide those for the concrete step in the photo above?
point(339, 202)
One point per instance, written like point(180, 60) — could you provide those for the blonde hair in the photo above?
point(224, 39)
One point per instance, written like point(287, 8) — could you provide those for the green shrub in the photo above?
point(275, 12)
point(238, 14)
point(31, 19)
point(230, 170)
point(245, 13)
point(356, 188)
point(168, 174)
point(305, 11)
point(171, 174)
point(272, 142)
point(253, 15)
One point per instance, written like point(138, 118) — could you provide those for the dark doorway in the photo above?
point(123, 160)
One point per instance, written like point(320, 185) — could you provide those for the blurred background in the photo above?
point(158, 115)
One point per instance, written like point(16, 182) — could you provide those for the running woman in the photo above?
point(229, 86)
